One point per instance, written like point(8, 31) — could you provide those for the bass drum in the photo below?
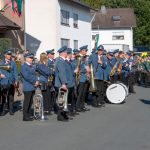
point(125, 87)
point(116, 93)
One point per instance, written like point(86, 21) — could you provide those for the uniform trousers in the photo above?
point(81, 91)
point(7, 97)
point(28, 101)
point(46, 99)
point(99, 95)
point(71, 98)
point(114, 79)
point(131, 82)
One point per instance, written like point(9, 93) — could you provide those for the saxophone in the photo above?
point(120, 68)
point(113, 70)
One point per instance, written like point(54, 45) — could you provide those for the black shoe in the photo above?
point(85, 109)
point(28, 119)
point(78, 110)
point(72, 114)
point(3, 113)
point(61, 118)
point(11, 112)
point(48, 113)
point(76, 113)
point(97, 106)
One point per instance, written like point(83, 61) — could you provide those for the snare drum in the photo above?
point(116, 93)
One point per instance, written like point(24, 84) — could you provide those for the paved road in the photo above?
point(115, 127)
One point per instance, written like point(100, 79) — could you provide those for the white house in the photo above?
point(53, 23)
point(115, 28)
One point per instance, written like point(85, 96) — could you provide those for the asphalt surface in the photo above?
point(115, 127)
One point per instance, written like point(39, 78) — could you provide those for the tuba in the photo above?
point(92, 87)
point(62, 99)
point(38, 107)
point(5, 67)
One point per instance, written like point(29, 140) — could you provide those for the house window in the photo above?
point(75, 20)
point(65, 42)
point(118, 36)
point(75, 44)
point(64, 17)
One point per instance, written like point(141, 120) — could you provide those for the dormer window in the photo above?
point(116, 18)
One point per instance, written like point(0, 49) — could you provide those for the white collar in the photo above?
point(63, 58)
point(28, 63)
point(50, 59)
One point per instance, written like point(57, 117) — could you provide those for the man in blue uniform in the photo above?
point(130, 72)
point(99, 65)
point(71, 83)
point(82, 88)
point(8, 83)
point(51, 65)
point(110, 63)
point(30, 82)
point(61, 79)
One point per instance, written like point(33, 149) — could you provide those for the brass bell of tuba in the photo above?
point(5, 67)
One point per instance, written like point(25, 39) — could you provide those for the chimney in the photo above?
point(103, 9)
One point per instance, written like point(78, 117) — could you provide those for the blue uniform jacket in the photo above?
point(60, 72)
point(98, 68)
point(51, 64)
point(11, 76)
point(70, 74)
point(110, 65)
point(28, 76)
point(83, 72)
point(44, 73)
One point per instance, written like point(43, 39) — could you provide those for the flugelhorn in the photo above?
point(38, 107)
point(62, 99)
point(5, 67)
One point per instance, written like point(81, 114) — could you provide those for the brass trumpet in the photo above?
point(92, 87)
point(5, 67)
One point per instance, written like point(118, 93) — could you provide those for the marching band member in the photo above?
point(30, 82)
point(8, 83)
point(110, 64)
point(99, 65)
point(51, 65)
point(82, 87)
point(75, 54)
point(71, 83)
point(131, 72)
point(44, 73)
point(121, 67)
point(74, 64)
point(115, 61)
point(61, 80)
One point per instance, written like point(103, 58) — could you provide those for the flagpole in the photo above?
point(24, 26)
